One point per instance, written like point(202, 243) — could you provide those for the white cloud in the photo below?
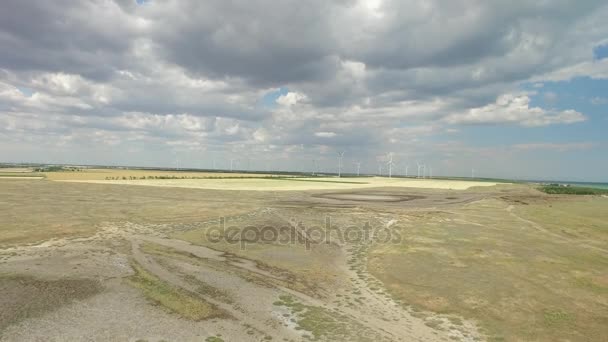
point(592, 69)
point(371, 74)
point(325, 134)
point(290, 99)
point(559, 147)
point(515, 109)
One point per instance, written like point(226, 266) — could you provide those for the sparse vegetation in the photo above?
point(522, 265)
point(555, 189)
point(326, 325)
point(512, 283)
point(185, 304)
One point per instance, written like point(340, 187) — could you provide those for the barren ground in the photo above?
point(83, 261)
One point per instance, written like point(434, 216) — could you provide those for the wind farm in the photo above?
point(303, 171)
point(173, 256)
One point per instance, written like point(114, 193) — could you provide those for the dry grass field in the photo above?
point(495, 262)
point(528, 272)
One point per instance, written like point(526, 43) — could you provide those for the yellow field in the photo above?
point(104, 174)
point(15, 170)
point(293, 184)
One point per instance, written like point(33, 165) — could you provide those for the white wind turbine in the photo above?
point(232, 160)
point(419, 167)
point(407, 167)
point(358, 167)
point(380, 169)
point(340, 157)
point(423, 171)
point(390, 165)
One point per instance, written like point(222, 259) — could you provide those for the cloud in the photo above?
point(325, 134)
point(558, 147)
point(515, 109)
point(290, 99)
point(369, 75)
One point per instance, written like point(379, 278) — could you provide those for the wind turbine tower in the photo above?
point(358, 168)
point(340, 157)
point(390, 165)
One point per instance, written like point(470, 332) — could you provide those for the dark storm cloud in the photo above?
point(82, 37)
point(266, 42)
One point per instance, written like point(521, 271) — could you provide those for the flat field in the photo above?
point(119, 174)
point(353, 259)
point(261, 183)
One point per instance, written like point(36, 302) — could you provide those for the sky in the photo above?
point(513, 89)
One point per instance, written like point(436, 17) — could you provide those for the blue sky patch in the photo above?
point(26, 91)
point(269, 99)
point(600, 52)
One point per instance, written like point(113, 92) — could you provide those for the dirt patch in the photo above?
point(370, 197)
point(24, 297)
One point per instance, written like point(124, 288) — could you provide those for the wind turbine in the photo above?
point(232, 160)
point(390, 165)
point(358, 168)
point(430, 172)
point(340, 156)
point(423, 170)
point(406, 169)
point(419, 166)
point(380, 170)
